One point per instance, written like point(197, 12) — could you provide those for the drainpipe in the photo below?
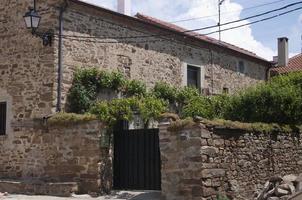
point(60, 57)
point(212, 71)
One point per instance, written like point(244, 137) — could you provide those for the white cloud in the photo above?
point(173, 10)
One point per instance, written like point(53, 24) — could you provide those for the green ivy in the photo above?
point(164, 91)
point(123, 109)
point(278, 101)
point(134, 88)
point(150, 108)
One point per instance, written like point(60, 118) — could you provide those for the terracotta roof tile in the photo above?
point(294, 64)
point(204, 38)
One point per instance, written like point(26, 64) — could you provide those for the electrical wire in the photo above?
point(79, 38)
point(248, 8)
point(254, 22)
point(188, 31)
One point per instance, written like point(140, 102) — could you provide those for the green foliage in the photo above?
point(151, 108)
point(206, 107)
point(123, 109)
point(186, 94)
point(80, 98)
point(278, 101)
point(115, 110)
point(198, 106)
point(221, 197)
point(114, 80)
point(166, 92)
point(135, 88)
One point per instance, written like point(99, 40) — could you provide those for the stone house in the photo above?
point(96, 37)
point(35, 78)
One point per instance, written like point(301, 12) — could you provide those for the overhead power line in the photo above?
point(146, 41)
point(235, 11)
point(254, 22)
point(192, 30)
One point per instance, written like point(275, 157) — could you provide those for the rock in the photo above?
point(275, 179)
point(280, 192)
point(298, 183)
point(284, 197)
point(264, 194)
point(289, 178)
point(298, 186)
point(273, 198)
point(287, 186)
point(198, 119)
point(269, 193)
point(209, 151)
point(212, 173)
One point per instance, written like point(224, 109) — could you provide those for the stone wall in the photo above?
point(50, 153)
point(27, 68)
point(201, 162)
point(148, 59)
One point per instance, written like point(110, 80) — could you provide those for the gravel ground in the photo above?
point(121, 195)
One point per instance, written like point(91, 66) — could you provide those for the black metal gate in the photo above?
point(137, 160)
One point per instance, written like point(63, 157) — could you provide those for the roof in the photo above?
point(200, 37)
point(294, 64)
point(177, 29)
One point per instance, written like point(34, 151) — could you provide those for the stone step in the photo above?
point(63, 189)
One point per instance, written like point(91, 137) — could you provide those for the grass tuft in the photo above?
point(64, 119)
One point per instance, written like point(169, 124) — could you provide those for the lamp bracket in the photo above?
point(45, 36)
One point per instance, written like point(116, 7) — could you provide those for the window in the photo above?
point(193, 74)
point(241, 67)
point(2, 118)
point(225, 90)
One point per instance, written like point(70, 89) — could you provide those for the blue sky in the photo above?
point(260, 38)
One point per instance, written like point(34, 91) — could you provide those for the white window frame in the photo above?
point(201, 75)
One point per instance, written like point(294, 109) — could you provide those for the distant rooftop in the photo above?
point(294, 64)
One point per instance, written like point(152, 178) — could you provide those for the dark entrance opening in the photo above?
point(136, 160)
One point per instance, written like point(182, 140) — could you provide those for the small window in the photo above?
point(2, 118)
point(225, 90)
point(193, 76)
point(241, 67)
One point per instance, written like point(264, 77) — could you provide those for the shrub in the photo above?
point(164, 91)
point(151, 108)
point(80, 98)
point(198, 106)
point(278, 101)
point(134, 88)
point(123, 109)
point(185, 94)
point(113, 80)
point(115, 110)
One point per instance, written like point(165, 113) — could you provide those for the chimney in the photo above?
point(124, 7)
point(282, 51)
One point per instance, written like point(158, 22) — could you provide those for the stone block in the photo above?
point(212, 173)
point(209, 151)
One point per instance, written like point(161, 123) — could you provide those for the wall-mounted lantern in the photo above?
point(32, 21)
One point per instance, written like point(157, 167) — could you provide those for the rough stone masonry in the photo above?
point(55, 154)
point(201, 162)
